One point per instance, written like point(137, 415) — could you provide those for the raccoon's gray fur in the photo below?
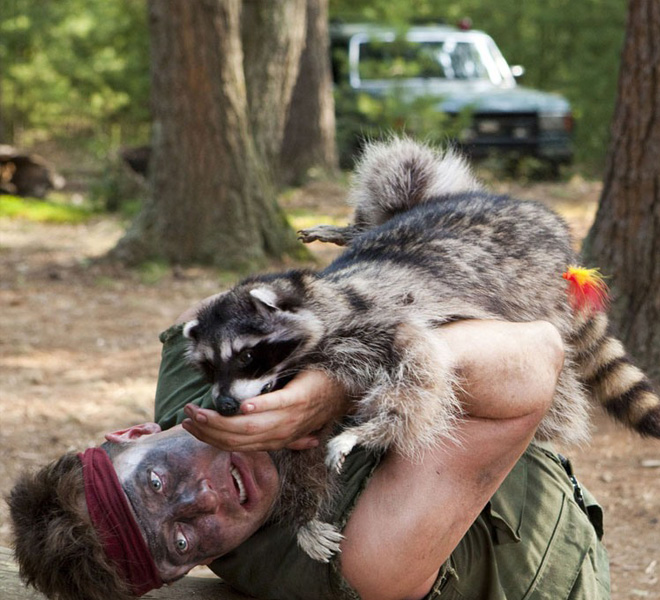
point(427, 247)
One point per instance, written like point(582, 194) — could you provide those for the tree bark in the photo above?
point(309, 137)
point(625, 237)
point(273, 40)
point(211, 197)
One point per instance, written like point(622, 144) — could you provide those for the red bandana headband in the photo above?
point(113, 520)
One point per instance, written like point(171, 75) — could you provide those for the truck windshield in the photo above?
point(402, 59)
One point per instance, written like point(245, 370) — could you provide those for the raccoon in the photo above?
point(428, 246)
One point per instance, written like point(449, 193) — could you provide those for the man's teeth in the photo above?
point(242, 494)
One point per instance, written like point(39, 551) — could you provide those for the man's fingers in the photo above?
point(269, 421)
point(229, 443)
point(304, 443)
point(240, 432)
point(294, 394)
point(202, 435)
point(238, 442)
point(276, 400)
point(239, 424)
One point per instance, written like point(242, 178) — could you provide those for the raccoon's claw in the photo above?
point(325, 233)
point(339, 447)
point(319, 540)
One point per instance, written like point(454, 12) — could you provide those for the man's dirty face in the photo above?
point(194, 502)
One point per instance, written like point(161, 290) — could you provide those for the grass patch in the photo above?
point(305, 218)
point(105, 282)
point(153, 271)
point(227, 279)
point(41, 211)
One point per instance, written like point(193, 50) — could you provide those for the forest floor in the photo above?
point(79, 354)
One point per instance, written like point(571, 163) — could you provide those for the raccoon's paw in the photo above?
point(319, 540)
point(340, 236)
point(339, 447)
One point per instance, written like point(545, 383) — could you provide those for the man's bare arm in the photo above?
point(412, 515)
point(503, 366)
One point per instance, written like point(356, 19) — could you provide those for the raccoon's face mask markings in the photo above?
point(244, 358)
point(261, 368)
point(245, 343)
point(208, 369)
point(199, 353)
point(225, 350)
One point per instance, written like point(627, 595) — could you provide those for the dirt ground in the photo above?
point(79, 354)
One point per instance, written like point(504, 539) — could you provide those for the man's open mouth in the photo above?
point(240, 486)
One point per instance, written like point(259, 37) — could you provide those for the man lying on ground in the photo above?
point(490, 518)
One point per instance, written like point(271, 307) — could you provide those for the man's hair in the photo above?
point(57, 549)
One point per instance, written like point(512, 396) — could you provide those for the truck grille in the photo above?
point(518, 128)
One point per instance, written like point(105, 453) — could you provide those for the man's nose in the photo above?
point(203, 501)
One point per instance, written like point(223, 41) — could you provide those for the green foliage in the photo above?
point(118, 188)
point(78, 70)
point(301, 218)
point(74, 65)
point(568, 47)
point(151, 272)
point(365, 117)
point(41, 211)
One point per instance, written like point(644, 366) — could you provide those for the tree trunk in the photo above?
point(273, 40)
point(211, 196)
point(625, 237)
point(309, 138)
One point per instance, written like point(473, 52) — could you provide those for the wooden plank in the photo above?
point(11, 586)
point(189, 588)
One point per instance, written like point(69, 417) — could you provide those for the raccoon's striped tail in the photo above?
point(609, 375)
point(394, 176)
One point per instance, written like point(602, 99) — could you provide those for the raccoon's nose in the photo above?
point(227, 406)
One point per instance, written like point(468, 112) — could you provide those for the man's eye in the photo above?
point(181, 542)
point(155, 482)
point(245, 358)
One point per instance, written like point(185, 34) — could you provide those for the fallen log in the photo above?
point(188, 588)
point(23, 174)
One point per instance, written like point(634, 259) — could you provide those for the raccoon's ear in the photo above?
point(190, 330)
point(265, 299)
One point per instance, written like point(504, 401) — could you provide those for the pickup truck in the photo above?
point(463, 74)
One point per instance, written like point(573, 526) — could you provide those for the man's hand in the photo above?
point(284, 418)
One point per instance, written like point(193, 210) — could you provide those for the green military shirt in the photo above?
point(533, 541)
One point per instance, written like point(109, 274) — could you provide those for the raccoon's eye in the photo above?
point(245, 357)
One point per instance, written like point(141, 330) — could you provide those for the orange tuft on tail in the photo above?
point(587, 291)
